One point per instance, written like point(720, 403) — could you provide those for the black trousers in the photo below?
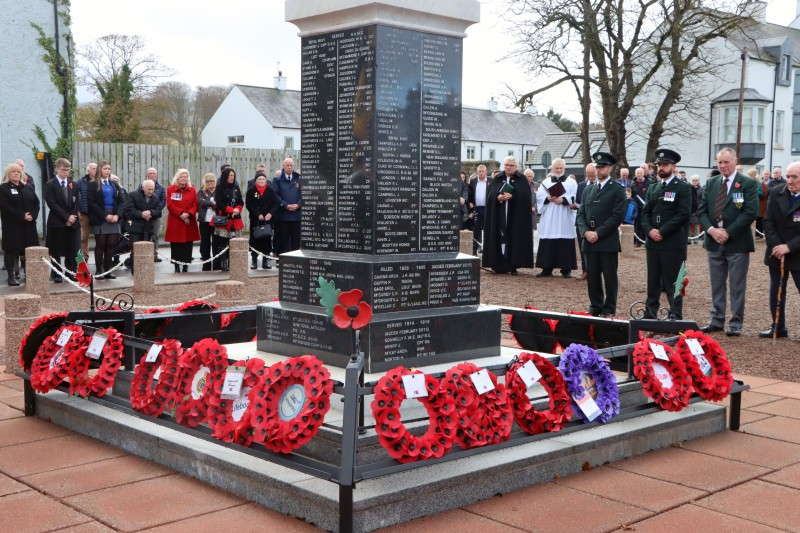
point(478, 222)
point(206, 232)
point(601, 269)
point(774, 282)
point(217, 245)
point(288, 236)
point(662, 272)
point(580, 247)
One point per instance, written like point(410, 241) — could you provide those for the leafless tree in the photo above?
point(620, 53)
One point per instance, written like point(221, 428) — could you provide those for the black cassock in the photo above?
point(508, 223)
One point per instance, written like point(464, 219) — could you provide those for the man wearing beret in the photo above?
point(665, 220)
point(599, 216)
point(727, 210)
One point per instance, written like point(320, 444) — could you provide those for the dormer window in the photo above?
point(785, 72)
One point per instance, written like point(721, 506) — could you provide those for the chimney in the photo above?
point(491, 105)
point(755, 9)
point(280, 81)
point(533, 110)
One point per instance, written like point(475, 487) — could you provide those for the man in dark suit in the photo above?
point(477, 202)
point(591, 177)
point(63, 228)
point(600, 214)
point(665, 218)
point(141, 210)
point(727, 210)
point(782, 232)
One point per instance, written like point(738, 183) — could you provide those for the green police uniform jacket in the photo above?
point(602, 211)
point(738, 214)
point(667, 209)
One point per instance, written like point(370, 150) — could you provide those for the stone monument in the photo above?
point(381, 152)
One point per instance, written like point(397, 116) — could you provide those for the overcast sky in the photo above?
point(208, 42)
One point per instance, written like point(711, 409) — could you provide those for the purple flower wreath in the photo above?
point(579, 358)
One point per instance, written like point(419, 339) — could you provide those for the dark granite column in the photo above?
point(381, 119)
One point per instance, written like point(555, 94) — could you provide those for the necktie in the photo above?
point(599, 186)
point(663, 184)
point(105, 182)
point(722, 197)
point(64, 188)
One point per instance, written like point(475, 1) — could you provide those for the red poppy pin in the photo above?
point(70, 185)
point(737, 185)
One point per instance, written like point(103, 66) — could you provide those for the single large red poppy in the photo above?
point(351, 311)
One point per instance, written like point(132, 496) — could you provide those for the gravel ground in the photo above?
point(748, 354)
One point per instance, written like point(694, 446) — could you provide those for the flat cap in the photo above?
point(665, 155)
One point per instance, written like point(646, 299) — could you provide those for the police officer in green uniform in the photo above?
point(599, 217)
point(665, 218)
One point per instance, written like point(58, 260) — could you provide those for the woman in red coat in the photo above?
point(182, 228)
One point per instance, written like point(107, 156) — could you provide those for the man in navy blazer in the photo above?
point(288, 189)
point(782, 232)
point(63, 226)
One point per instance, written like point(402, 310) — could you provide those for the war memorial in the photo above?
point(376, 389)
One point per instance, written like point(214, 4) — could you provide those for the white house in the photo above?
point(770, 119)
point(256, 117)
point(28, 97)
point(492, 135)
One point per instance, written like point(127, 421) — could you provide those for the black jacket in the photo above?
point(97, 210)
point(258, 204)
point(782, 226)
point(135, 204)
point(61, 207)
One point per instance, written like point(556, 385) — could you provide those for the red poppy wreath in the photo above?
point(201, 367)
point(710, 372)
point(51, 364)
point(666, 382)
point(228, 419)
point(151, 400)
point(111, 359)
point(40, 330)
point(481, 419)
point(528, 418)
point(289, 405)
point(393, 434)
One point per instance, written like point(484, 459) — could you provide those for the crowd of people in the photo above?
point(97, 204)
point(668, 212)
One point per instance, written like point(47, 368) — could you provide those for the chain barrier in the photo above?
point(761, 233)
point(193, 263)
point(61, 269)
point(267, 256)
point(101, 297)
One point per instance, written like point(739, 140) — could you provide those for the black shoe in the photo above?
point(567, 275)
point(711, 329)
point(544, 275)
point(767, 334)
point(57, 279)
point(99, 277)
point(12, 282)
point(253, 264)
point(513, 272)
point(111, 276)
point(157, 259)
point(264, 262)
point(177, 268)
point(733, 332)
point(186, 268)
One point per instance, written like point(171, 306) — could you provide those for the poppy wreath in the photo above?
point(191, 407)
point(394, 436)
point(151, 400)
point(531, 332)
point(578, 359)
point(107, 373)
point(221, 419)
point(51, 364)
point(41, 326)
point(673, 398)
point(529, 419)
point(481, 419)
point(716, 386)
point(279, 425)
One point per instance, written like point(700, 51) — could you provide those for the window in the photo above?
point(492, 155)
point(236, 139)
point(594, 146)
point(777, 139)
point(785, 72)
point(510, 153)
point(572, 149)
point(529, 156)
point(752, 124)
point(796, 116)
point(470, 152)
point(288, 143)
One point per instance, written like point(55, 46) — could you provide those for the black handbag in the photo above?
point(220, 221)
point(262, 231)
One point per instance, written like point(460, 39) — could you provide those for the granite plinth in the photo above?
point(413, 338)
point(390, 284)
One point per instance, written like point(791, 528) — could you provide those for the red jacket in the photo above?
point(181, 201)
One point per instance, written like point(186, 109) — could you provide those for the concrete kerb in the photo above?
point(239, 264)
point(144, 276)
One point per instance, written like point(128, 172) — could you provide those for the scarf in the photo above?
point(261, 189)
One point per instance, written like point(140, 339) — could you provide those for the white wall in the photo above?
point(501, 151)
point(238, 116)
point(28, 97)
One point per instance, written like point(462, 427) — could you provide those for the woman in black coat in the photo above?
point(106, 201)
point(229, 202)
point(261, 205)
point(19, 207)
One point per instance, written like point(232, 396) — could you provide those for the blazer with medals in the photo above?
point(738, 213)
point(602, 211)
point(61, 206)
point(782, 226)
point(667, 209)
